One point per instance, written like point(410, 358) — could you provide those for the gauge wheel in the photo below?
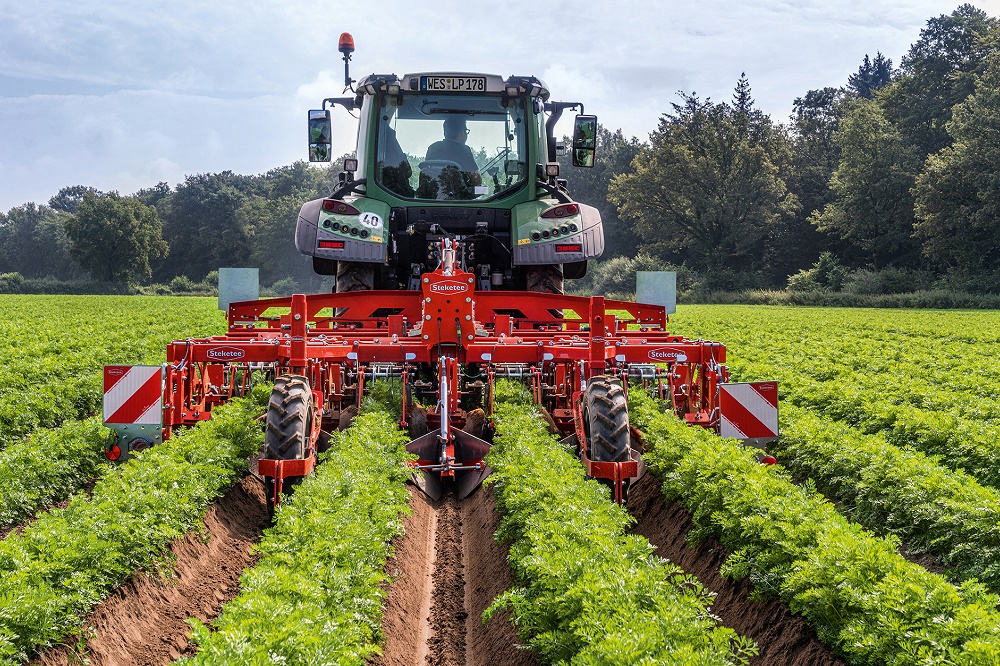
point(287, 426)
point(606, 424)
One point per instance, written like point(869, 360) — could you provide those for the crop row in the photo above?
point(316, 594)
point(52, 349)
point(587, 592)
point(831, 373)
point(47, 467)
point(863, 598)
point(62, 564)
point(932, 508)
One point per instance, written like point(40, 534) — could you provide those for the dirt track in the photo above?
point(784, 639)
point(447, 570)
point(143, 623)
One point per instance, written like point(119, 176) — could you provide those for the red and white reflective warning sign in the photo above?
point(133, 394)
point(749, 411)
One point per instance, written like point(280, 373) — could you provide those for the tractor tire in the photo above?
point(605, 423)
point(545, 278)
point(605, 420)
point(355, 276)
point(287, 426)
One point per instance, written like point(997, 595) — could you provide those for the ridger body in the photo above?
point(468, 252)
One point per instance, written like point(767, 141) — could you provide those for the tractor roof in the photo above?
point(453, 82)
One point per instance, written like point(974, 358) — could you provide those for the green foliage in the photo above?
point(825, 274)
point(864, 599)
point(33, 242)
point(587, 592)
point(871, 76)
point(53, 348)
point(938, 72)
point(933, 509)
point(873, 207)
point(315, 596)
point(11, 283)
point(67, 560)
point(116, 239)
point(181, 283)
point(958, 196)
point(709, 187)
point(48, 467)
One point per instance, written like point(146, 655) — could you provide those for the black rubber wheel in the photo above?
point(287, 427)
point(355, 276)
point(605, 422)
point(545, 278)
point(323, 266)
point(575, 270)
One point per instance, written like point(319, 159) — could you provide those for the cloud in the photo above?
point(119, 94)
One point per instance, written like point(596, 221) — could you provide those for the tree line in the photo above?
point(892, 177)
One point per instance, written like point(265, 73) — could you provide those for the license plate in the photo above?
point(454, 83)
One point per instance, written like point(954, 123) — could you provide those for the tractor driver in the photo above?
point(453, 149)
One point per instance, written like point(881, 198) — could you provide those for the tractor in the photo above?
point(450, 235)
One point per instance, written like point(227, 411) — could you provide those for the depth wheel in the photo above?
point(288, 424)
point(605, 423)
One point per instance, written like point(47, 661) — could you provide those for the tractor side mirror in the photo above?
point(584, 140)
point(320, 132)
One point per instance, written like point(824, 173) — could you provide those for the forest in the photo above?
point(889, 183)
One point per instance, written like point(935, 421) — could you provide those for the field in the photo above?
point(876, 540)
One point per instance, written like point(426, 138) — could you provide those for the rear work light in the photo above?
point(573, 247)
point(331, 245)
point(562, 210)
point(339, 207)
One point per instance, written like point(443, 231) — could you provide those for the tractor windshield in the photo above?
point(450, 147)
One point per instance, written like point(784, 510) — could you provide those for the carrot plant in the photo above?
point(315, 596)
point(865, 600)
point(587, 592)
point(52, 350)
point(47, 467)
point(932, 508)
point(68, 560)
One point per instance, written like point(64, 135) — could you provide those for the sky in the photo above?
point(121, 95)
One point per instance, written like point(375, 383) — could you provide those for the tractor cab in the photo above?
point(465, 156)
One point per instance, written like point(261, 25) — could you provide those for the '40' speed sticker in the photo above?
point(371, 220)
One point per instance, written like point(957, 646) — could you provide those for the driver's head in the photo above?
point(455, 129)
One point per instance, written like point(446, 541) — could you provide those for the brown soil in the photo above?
point(143, 623)
point(447, 569)
point(783, 639)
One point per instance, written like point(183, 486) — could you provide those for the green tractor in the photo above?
point(468, 157)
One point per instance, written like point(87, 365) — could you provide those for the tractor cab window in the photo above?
point(450, 147)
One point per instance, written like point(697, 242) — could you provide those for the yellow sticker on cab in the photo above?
point(524, 241)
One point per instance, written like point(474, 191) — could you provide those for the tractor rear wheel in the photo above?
point(287, 426)
point(605, 423)
point(545, 278)
point(355, 276)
